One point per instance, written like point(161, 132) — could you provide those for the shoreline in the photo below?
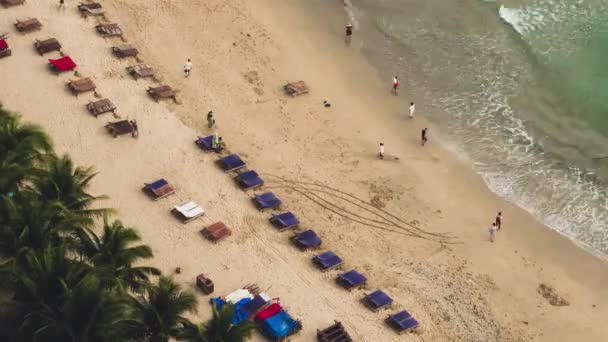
point(299, 138)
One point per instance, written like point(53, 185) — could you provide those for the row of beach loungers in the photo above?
point(401, 321)
point(86, 84)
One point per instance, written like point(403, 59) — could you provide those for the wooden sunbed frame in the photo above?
point(28, 25)
point(296, 88)
point(82, 85)
point(162, 92)
point(100, 107)
point(10, 3)
point(47, 45)
point(109, 30)
point(140, 71)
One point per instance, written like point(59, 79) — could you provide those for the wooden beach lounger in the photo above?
point(296, 88)
point(5, 51)
point(158, 189)
point(188, 211)
point(140, 71)
point(162, 92)
point(48, 45)
point(109, 30)
point(124, 50)
point(216, 232)
point(334, 333)
point(9, 3)
point(82, 85)
point(99, 107)
point(28, 25)
point(91, 8)
point(204, 283)
point(121, 127)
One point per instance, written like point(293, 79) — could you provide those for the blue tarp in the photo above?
point(279, 325)
point(239, 313)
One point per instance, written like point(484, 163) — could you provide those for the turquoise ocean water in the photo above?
point(518, 87)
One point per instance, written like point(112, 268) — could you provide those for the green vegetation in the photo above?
point(59, 279)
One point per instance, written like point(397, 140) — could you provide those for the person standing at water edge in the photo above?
point(498, 220)
point(187, 68)
point(349, 33)
point(423, 136)
point(61, 3)
point(381, 154)
point(412, 109)
point(210, 119)
point(395, 84)
point(493, 232)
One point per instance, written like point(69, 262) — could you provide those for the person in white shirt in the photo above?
point(412, 109)
point(381, 154)
point(493, 232)
point(187, 68)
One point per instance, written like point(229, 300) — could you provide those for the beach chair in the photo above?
point(204, 283)
point(231, 163)
point(216, 231)
point(206, 144)
point(47, 45)
point(162, 92)
point(402, 322)
point(109, 30)
point(124, 50)
point(28, 25)
point(284, 221)
point(327, 261)
point(5, 51)
point(307, 239)
point(257, 303)
point(296, 88)
point(351, 279)
point(158, 189)
point(62, 64)
point(188, 211)
point(121, 127)
point(100, 107)
point(267, 200)
point(91, 9)
point(140, 71)
point(333, 333)
point(249, 180)
point(82, 85)
point(377, 300)
point(9, 3)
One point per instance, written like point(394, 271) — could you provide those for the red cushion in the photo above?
point(270, 311)
point(63, 64)
point(3, 44)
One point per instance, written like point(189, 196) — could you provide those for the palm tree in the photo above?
point(112, 254)
point(66, 185)
point(22, 148)
point(87, 313)
point(219, 328)
point(161, 311)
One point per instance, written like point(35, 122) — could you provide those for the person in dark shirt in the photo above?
point(423, 136)
point(349, 33)
point(499, 220)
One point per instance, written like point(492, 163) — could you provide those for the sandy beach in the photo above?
point(322, 162)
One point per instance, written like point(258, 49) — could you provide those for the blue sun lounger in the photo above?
point(285, 221)
point(402, 322)
point(158, 189)
point(256, 304)
point(351, 279)
point(377, 300)
point(204, 142)
point(267, 200)
point(327, 261)
point(279, 326)
point(231, 163)
point(306, 239)
point(249, 180)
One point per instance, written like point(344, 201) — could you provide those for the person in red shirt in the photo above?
point(395, 84)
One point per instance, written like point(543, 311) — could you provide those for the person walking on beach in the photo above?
point(381, 154)
point(493, 232)
point(498, 220)
point(412, 109)
point(187, 68)
point(349, 33)
point(423, 136)
point(395, 84)
point(61, 3)
point(210, 119)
